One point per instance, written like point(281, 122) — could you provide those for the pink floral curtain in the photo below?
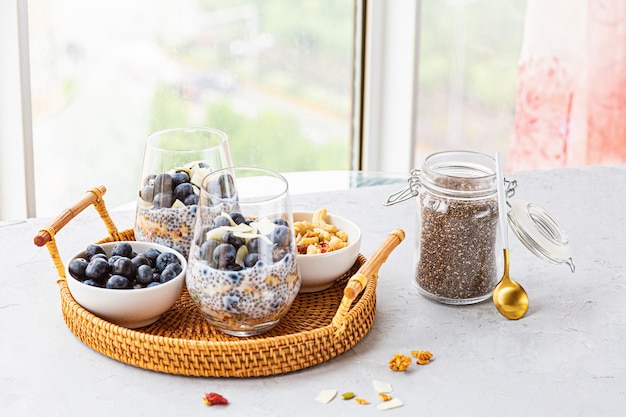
point(571, 92)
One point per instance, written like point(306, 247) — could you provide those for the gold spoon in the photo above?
point(508, 296)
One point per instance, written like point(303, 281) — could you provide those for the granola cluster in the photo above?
point(401, 362)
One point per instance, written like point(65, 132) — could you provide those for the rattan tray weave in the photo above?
point(318, 327)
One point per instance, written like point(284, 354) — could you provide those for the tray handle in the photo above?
point(46, 235)
point(359, 280)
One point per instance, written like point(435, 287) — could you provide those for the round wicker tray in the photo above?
point(318, 326)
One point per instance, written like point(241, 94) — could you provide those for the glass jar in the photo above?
point(242, 272)
point(175, 162)
point(457, 224)
point(458, 245)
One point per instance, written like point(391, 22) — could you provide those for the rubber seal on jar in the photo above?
point(540, 233)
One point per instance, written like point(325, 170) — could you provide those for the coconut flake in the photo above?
point(265, 226)
point(380, 386)
point(326, 395)
point(388, 405)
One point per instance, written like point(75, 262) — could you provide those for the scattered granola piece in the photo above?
point(326, 395)
point(380, 386)
point(384, 397)
point(399, 362)
point(213, 398)
point(347, 395)
point(423, 356)
point(362, 401)
point(388, 405)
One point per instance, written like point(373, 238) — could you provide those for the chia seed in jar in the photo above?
point(457, 257)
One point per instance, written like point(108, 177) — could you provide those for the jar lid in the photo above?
point(540, 233)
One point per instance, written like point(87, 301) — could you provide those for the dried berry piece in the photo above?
point(213, 398)
point(423, 356)
point(399, 362)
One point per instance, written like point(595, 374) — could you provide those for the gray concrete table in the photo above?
point(566, 357)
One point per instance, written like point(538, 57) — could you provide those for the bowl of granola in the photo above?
point(328, 245)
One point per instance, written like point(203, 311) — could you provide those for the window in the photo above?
point(275, 75)
point(468, 53)
point(312, 85)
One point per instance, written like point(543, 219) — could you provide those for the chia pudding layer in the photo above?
point(171, 227)
point(243, 299)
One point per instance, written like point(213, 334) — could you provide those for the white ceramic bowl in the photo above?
point(131, 308)
point(320, 271)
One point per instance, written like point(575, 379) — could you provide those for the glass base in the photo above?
point(451, 301)
point(242, 330)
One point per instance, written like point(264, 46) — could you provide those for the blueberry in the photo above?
point(153, 284)
point(223, 255)
point(163, 183)
point(77, 268)
point(97, 269)
point(221, 221)
point(251, 259)
point(99, 255)
point(165, 259)
point(163, 200)
point(147, 193)
point(281, 235)
point(191, 200)
point(280, 221)
point(112, 260)
point(144, 275)
point(122, 249)
point(149, 179)
point(229, 237)
point(237, 217)
point(206, 250)
point(118, 282)
point(170, 272)
point(180, 177)
point(92, 250)
point(141, 260)
point(226, 185)
point(152, 254)
point(92, 283)
point(124, 266)
point(258, 245)
point(183, 190)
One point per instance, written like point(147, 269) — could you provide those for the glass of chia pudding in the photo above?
point(242, 272)
point(174, 165)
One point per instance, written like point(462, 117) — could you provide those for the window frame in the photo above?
point(384, 95)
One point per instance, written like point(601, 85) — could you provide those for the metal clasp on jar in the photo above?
point(415, 182)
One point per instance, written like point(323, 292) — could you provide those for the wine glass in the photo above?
point(175, 162)
point(242, 271)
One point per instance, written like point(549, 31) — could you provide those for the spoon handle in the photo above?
point(501, 202)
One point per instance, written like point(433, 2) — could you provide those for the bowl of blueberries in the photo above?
point(127, 283)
